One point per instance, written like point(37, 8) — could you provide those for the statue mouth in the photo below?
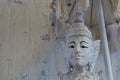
point(78, 57)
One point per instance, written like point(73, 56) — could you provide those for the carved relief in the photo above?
point(82, 51)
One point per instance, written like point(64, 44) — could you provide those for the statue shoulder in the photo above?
point(87, 76)
point(98, 74)
point(91, 76)
point(65, 76)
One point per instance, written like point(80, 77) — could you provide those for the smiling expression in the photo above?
point(79, 49)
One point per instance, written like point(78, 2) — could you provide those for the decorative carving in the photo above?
point(64, 11)
point(82, 53)
point(82, 50)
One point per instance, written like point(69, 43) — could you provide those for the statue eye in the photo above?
point(72, 46)
point(84, 44)
point(84, 47)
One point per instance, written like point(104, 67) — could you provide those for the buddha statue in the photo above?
point(82, 52)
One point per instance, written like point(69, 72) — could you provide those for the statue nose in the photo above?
point(78, 51)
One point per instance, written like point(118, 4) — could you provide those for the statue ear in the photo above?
point(96, 46)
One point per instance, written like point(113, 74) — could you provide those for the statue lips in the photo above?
point(78, 57)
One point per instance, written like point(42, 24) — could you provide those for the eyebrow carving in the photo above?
point(83, 41)
point(72, 42)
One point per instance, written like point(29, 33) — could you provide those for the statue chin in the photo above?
point(78, 62)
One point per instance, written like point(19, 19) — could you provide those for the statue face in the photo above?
point(79, 50)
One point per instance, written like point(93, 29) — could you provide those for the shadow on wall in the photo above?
point(16, 1)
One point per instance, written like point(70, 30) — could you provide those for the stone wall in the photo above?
point(26, 52)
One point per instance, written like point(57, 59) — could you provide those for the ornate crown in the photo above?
point(78, 29)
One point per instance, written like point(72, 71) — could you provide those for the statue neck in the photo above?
point(79, 70)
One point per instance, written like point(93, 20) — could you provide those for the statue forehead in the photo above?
point(79, 38)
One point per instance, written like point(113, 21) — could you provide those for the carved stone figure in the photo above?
point(82, 53)
point(82, 50)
